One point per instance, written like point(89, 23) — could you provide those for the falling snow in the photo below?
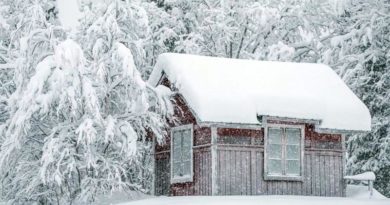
point(81, 108)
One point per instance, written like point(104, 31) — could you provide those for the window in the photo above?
point(284, 152)
point(181, 154)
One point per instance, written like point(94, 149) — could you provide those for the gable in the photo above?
point(182, 112)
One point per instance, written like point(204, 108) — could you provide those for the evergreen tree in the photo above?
point(361, 55)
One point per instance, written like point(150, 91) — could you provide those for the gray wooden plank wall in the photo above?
point(162, 180)
point(202, 174)
point(202, 170)
point(240, 172)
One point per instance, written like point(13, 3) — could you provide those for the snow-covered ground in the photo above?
point(256, 200)
point(356, 195)
point(361, 192)
point(119, 197)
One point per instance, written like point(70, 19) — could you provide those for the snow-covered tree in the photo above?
point(263, 30)
point(172, 24)
point(80, 121)
point(115, 21)
point(360, 54)
point(26, 29)
point(237, 29)
point(107, 31)
point(31, 33)
point(83, 140)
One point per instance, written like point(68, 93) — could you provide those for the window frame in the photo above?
point(185, 179)
point(284, 177)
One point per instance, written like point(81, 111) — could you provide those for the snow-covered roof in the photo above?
point(237, 91)
point(363, 176)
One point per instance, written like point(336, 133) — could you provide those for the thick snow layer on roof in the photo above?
point(236, 91)
point(362, 176)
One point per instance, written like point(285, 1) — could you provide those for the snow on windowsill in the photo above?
point(181, 179)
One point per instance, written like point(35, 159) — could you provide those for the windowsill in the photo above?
point(283, 178)
point(184, 179)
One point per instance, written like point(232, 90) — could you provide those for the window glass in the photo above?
point(275, 151)
point(275, 167)
point(176, 152)
point(186, 155)
point(293, 136)
point(284, 151)
point(181, 153)
point(275, 135)
point(186, 140)
point(176, 149)
point(293, 167)
point(177, 169)
point(186, 168)
point(293, 152)
point(176, 139)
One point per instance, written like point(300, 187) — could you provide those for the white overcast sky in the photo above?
point(68, 12)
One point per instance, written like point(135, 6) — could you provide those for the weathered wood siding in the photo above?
point(240, 166)
point(202, 169)
point(162, 175)
point(234, 171)
point(240, 172)
point(202, 176)
point(240, 161)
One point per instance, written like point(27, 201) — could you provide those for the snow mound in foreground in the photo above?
point(256, 200)
point(120, 197)
point(361, 192)
point(356, 195)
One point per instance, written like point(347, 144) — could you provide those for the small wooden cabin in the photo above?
point(245, 127)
